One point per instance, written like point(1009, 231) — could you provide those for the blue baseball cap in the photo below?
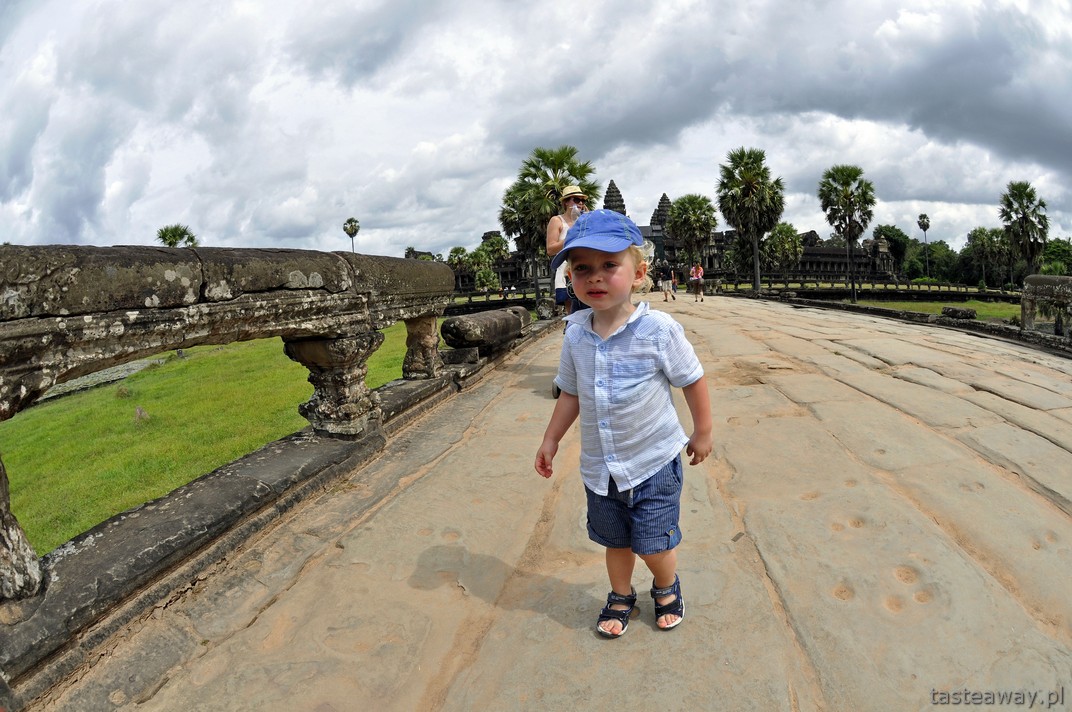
point(603, 230)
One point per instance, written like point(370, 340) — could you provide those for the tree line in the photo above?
point(751, 202)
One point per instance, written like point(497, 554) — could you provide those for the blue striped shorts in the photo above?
point(645, 518)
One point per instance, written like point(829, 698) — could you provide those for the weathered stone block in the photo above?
point(69, 280)
point(958, 312)
point(545, 309)
point(229, 273)
point(487, 331)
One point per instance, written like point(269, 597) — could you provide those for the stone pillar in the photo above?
point(1027, 312)
point(422, 349)
point(341, 405)
point(20, 569)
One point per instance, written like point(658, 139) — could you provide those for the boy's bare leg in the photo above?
point(663, 567)
point(620, 563)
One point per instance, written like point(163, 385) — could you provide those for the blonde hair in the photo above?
point(641, 259)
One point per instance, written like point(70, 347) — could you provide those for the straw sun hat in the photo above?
point(572, 191)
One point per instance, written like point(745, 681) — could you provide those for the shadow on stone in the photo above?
point(492, 580)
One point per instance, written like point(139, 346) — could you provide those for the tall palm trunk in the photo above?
point(852, 270)
point(755, 264)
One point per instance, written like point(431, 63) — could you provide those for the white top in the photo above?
point(629, 427)
point(560, 273)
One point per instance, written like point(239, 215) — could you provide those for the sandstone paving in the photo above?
point(897, 352)
point(849, 353)
point(1021, 541)
point(887, 588)
point(932, 380)
point(870, 528)
point(1053, 374)
point(806, 388)
point(884, 437)
point(1044, 467)
point(1022, 392)
point(1045, 423)
point(793, 346)
point(934, 408)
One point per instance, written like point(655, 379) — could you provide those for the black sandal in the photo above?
point(674, 608)
point(610, 614)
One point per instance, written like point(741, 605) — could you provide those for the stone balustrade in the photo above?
point(67, 311)
point(1050, 292)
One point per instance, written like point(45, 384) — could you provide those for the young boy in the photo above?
point(618, 363)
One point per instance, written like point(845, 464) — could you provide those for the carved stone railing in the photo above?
point(67, 311)
point(1050, 292)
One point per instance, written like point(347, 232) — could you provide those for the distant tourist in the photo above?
point(618, 363)
point(666, 278)
point(696, 277)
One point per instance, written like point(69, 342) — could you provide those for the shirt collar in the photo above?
point(583, 317)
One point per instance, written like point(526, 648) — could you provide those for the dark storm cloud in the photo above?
point(21, 124)
point(197, 65)
point(969, 75)
point(70, 185)
point(352, 44)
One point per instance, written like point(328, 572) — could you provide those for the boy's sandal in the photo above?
point(674, 608)
point(610, 614)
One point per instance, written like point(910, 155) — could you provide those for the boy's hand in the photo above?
point(544, 457)
point(699, 447)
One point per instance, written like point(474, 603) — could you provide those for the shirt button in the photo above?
point(599, 382)
point(610, 458)
point(602, 423)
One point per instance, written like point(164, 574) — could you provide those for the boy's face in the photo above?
point(604, 279)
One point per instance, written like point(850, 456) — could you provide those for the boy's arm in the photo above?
point(567, 408)
point(701, 442)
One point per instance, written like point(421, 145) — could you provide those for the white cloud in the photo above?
point(269, 124)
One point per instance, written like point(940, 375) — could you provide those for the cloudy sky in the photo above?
point(262, 123)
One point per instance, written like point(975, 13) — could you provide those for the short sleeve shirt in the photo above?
point(629, 426)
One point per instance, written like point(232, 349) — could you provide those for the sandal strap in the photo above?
point(672, 589)
point(618, 598)
point(609, 613)
point(675, 607)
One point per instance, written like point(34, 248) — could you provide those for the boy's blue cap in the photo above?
point(603, 230)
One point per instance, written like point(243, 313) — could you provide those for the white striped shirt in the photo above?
point(629, 428)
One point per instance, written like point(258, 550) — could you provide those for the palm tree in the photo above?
point(351, 227)
point(457, 258)
point(496, 246)
point(984, 244)
point(1024, 216)
point(786, 247)
point(749, 200)
point(480, 262)
point(522, 224)
point(549, 171)
point(690, 222)
point(533, 199)
point(924, 224)
point(177, 236)
point(848, 201)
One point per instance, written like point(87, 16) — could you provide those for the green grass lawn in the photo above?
point(75, 461)
point(983, 310)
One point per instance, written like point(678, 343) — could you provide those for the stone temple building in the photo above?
point(871, 258)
